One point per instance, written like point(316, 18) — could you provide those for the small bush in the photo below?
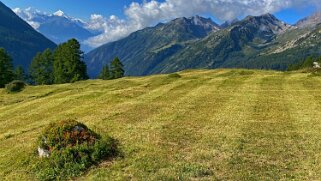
point(15, 86)
point(246, 72)
point(174, 75)
point(315, 72)
point(72, 149)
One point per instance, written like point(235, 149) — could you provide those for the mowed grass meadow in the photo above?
point(205, 125)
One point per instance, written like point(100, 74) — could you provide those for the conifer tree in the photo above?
point(117, 69)
point(68, 64)
point(41, 68)
point(20, 74)
point(6, 68)
point(105, 73)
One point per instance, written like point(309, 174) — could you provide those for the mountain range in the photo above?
point(58, 27)
point(262, 42)
point(19, 39)
point(145, 49)
point(310, 21)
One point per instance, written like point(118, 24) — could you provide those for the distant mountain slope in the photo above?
point(291, 48)
point(230, 47)
point(57, 26)
point(226, 24)
point(310, 21)
point(60, 29)
point(19, 38)
point(143, 50)
point(261, 42)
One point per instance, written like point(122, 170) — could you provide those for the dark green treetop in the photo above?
point(20, 73)
point(117, 69)
point(105, 73)
point(6, 68)
point(41, 68)
point(68, 64)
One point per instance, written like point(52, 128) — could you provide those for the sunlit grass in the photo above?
point(204, 125)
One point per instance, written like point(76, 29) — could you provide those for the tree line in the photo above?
point(63, 65)
point(305, 63)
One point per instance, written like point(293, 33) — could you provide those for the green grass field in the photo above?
point(206, 125)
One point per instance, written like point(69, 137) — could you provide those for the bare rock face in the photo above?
point(78, 128)
point(316, 65)
point(310, 21)
point(266, 23)
point(227, 24)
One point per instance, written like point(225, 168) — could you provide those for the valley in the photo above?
point(152, 90)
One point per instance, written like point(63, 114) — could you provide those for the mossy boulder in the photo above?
point(67, 148)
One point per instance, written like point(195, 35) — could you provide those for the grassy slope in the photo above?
point(221, 124)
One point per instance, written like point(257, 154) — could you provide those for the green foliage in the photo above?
point(20, 74)
point(174, 75)
point(308, 63)
point(316, 73)
point(41, 68)
point(246, 72)
point(305, 64)
point(117, 69)
point(15, 86)
point(105, 73)
point(65, 65)
point(73, 148)
point(6, 68)
point(68, 64)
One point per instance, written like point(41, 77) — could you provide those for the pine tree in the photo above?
point(6, 68)
point(105, 73)
point(308, 63)
point(20, 74)
point(41, 68)
point(68, 64)
point(117, 69)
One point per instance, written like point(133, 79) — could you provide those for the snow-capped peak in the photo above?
point(59, 13)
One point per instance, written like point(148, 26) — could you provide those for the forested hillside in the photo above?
point(20, 40)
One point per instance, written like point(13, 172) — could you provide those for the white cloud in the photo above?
point(28, 15)
point(112, 29)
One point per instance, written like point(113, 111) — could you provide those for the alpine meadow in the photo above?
point(160, 90)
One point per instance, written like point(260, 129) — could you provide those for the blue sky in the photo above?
point(77, 8)
point(293, 15)
point(84, 8)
